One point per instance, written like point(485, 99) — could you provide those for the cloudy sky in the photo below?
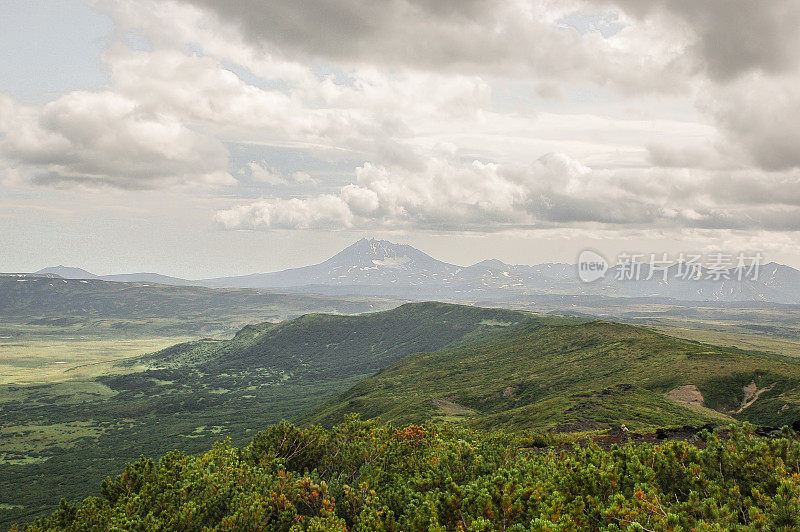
point(213, 137)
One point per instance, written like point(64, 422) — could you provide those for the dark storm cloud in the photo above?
point(392, 30)
point(731, 37)
point(473, 36)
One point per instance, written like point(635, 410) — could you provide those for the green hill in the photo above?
point(269, 372)
point(577, 376)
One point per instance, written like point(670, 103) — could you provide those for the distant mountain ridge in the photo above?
point(67, 272)
point(371, 267)
point(382, 268)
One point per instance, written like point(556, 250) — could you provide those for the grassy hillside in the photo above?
point(577, 376)
point(74, 433)
point(759, 326)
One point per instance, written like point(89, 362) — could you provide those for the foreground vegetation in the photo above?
point(366, 476)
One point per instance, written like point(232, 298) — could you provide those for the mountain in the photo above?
point(372, 266)
point(378, 266)
point(567, 375)
point(382, 268)
point(477, 367)
point(775, 283)
point(325, 347)
point(66, 272)
point(193, 394)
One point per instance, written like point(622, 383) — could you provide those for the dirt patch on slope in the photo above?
point(751, 394)
point(687, 394)
point(449, 408)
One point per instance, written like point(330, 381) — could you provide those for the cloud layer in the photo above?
point(556, 191)
point(474, 116)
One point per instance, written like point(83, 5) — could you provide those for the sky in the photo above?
point(202, 138)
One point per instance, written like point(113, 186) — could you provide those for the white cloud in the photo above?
point(264, 174)
point(662, 46)
point(325, 211)
point(409, 87)
point(446, 194)
point(7, 109)
point(106, 138)
point(175, 25)
point(199, 89)
point(729, 38)
point(302, 177)
point(747, 67)
point(556, 190)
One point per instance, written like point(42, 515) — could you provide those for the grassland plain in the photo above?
point(192, 394)
point(41, 307)
point(751, 341)
point(52, 359)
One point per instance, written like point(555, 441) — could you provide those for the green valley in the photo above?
point(192, 394)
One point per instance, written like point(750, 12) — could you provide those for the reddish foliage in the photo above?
point(411, 433)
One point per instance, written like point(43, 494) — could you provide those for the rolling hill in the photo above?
point(570, 375)
point(420, 362)
point(67, 272)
